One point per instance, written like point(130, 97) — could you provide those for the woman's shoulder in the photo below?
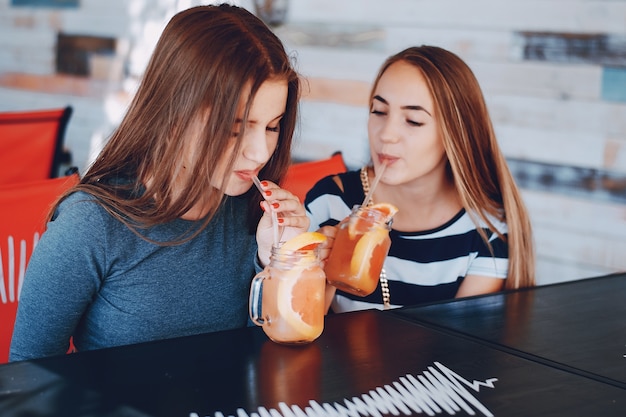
point(81, 209)
point(79, 201)
point(344, 184)
point(467, 220)
point(498, 222)
point(351, 179)
point(332, 198)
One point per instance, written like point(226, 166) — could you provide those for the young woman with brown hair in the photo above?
point(161, 236)
point(462, 228)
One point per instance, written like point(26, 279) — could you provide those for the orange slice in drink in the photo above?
point(364, 251)
point(301, 304)
point(299, 297)
point(372, 238)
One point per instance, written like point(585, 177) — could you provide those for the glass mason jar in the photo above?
point(287, 297)
point(359, 251)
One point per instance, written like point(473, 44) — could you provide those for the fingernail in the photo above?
point(264, 183)
point(268, 193)
point(281, 220)
point(275, 205)
point(261, 204)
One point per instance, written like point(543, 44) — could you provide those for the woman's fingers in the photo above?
point(289, 212)
point(326, 247)
point(282, 202)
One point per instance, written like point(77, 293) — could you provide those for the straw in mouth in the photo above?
point(379, 174)
point(275, 231)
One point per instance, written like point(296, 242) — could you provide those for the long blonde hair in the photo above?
point(478, 167)
point(204, 61)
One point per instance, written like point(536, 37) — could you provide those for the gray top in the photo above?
point(92, 278)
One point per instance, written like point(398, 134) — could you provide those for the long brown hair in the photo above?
point(205, 60)
point(478, 167)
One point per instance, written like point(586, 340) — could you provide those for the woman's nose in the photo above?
point(255, 146)
point(389, 131)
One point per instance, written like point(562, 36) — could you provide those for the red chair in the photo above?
point(31, 144)
point(301, 177)
point(23, 209)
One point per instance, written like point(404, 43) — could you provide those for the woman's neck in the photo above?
point(422, 205)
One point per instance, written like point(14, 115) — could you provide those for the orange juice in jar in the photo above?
point(360, 248)
point(291, 292)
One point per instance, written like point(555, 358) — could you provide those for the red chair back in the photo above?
point(301, 177)
point(31, 144)
point(23, 209)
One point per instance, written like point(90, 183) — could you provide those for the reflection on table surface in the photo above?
point(366, 363)
point(579, 326)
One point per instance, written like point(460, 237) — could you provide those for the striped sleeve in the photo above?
point(327, 204)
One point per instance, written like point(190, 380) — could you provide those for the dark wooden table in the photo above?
point(577, 326)
point(372, 361)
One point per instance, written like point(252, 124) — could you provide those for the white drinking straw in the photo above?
point(257, 183)
point(370, 193)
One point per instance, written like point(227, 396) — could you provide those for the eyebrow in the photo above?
point(408, 107)
point(239, 120)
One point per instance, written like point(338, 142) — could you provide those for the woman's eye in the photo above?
point(377, 112)
point(274, 129)
point(414, 123)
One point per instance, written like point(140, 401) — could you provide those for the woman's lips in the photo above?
point(246, 175)
point(387, 159)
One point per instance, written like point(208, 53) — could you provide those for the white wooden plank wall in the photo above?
point(549, 112)
point(543, 111)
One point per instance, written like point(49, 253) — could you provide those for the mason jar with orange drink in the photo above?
point(361, 245)
point(287, 297)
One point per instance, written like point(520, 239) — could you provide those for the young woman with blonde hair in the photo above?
point(162, 236)
point(462, 228)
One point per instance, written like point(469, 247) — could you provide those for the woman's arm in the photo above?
point(325, 248)
point(476, 285)
point(60, 282)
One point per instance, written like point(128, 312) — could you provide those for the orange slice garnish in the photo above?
point(304, 241)
point(387, 209)
point(361, 225)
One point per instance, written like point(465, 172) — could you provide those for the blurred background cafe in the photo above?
point(553, 73)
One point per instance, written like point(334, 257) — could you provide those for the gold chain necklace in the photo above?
point(384, 284)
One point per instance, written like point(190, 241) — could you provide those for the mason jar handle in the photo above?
point(255, 298)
